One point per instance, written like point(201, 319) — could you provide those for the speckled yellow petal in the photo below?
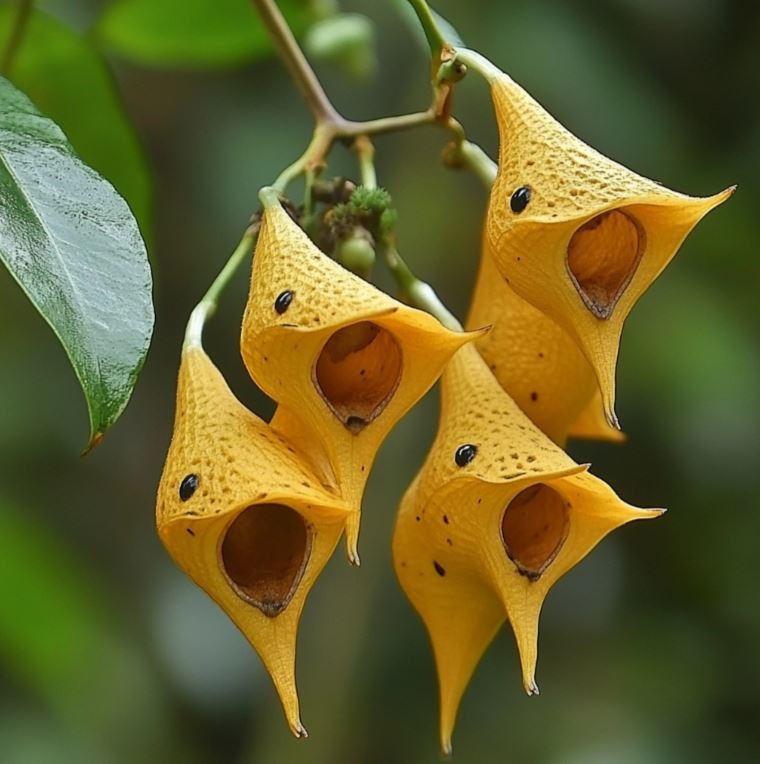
point(591, 423)
point(244, 517)
point(476, 544)
point(483, 434)
point(575, 234)
point(461, 618)
point(536, 361)
point(343, 360)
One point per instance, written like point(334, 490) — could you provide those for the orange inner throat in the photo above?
point(602, 257)
point(358, 372)
point(534, 528)
point(264, 554)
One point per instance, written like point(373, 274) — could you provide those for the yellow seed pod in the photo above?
point(575, 234)
point(497, 514)
point(536, 361)
point(344, 360)
point(242, 515)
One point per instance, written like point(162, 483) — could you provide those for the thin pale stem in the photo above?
point(365, 153)
point(206, 308)
point(316, 151)
point(300, 69)
point(473, 60)
point(417, 292)
point(435, 38)
point(467, 155)
point(21, 19)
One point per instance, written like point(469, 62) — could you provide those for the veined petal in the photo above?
point(536, 361)
point(242, 514)
point(343, 360)
point(482, 539)
point(575, 234)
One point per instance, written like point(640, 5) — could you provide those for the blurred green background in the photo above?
point(649, 650)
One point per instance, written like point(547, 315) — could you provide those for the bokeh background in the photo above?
point(649, 650)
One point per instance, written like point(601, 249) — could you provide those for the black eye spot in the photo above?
point(282, 303)
point(188, 486)
point(520, 199)
point(465, 454)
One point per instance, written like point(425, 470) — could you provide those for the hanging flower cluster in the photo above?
point(252, 511)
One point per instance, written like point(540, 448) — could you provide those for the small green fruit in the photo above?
point(345, 40)
point(357, 253)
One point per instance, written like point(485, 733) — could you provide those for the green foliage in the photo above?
point(63, 639)
point(190, 33)
point(67, 79)
point(73, 246)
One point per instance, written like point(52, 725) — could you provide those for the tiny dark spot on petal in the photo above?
point(188, 486)
point(439, 569)
point(282, 303)
point(465, 454)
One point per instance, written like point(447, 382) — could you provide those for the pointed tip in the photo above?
point(612, 419)
point(446, 749)
point(95, 440)
point(299, 731)
point(531, 688)
point(352, 552)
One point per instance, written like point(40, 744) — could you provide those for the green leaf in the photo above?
point(68, 80)
point(191, 33)
point(73, 246)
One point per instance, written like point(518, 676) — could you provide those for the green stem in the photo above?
point(365, 153)
point(435, 39)
point(316, 151)
point(207, 306)
point(473, 60)
point(20, 21)
point(468, 155)
point(417, 292)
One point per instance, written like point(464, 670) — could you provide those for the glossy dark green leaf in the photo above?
point(191, 33)
point(74, 247)
point(68, 80)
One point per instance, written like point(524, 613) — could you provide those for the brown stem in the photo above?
point(300, 69)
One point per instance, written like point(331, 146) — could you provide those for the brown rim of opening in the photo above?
point(357, 372)
point(599, 272)
point(534, 527)
point(264, 553)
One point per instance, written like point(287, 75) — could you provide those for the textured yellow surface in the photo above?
point(536, 361)
point(281, 352)
point(240, 464)
point(448, 547)
point(572, 186)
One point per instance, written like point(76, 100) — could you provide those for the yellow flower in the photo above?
point(243, 516)
point(536, 361)
point(575, 234)
point(495, 517)
point(344, 360)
